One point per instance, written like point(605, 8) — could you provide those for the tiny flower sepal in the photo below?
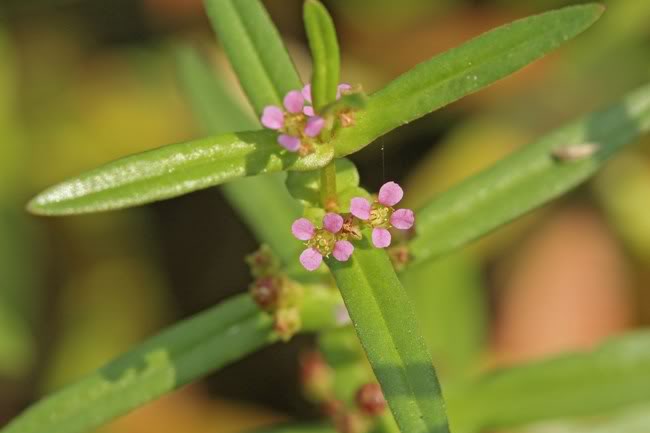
point(381, 215)
point(321, 242)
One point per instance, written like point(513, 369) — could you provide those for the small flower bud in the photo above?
point(287, 323)
point(263, 262)
point(266, 292)
point(370, 399)
point(315, 376)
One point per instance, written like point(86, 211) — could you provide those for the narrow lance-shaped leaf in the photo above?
point(529, 177)
point(386, 324)
point(326, 61)
point(581, 384)
point(462, 71)
point(262, 201)
point(173, 170)
point(255, 50)
point(177, 356)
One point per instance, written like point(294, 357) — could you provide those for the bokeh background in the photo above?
point(83, 82)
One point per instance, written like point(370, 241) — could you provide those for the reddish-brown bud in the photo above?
point(370, 399)
point(315, 376)
point(266, 292)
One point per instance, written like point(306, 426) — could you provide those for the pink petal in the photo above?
point(380, 238)
point(343, 87)
point(294, 102)
point(308, 110)
point(314, 126)
point(311, 259)
point(303, 229)
point(390, 194)
point(360, 208)
point(273, 117)
point(402, 219)
point(292, 144)
point(342, 250)
point(333, 222)
point(306, 93)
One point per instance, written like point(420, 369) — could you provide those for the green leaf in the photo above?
point(387, 327)
point(305, 186)
point(580, 384)
point(464, 70)
point(255, 50)
point(326, 59)
point(528, 178)
point(451, 305)
point(352, 101)
point(211, 102)
point(173, 170)
point(262, 201)
point(177, 356)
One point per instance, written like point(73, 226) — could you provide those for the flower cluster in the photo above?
point(338, 230)
point(297, 123)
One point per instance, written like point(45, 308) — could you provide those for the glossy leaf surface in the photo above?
point(387, 327)
point(528, 178)
point(177, 356)
point(255, 50)
point(173, 170)
point(326, 59)
point(262, 201)
point(464, 70)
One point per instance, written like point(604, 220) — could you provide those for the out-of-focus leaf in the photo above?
point(211, 102)
point(326, 59)
point(387, 327)
point(462, 71)
point(255, 50)
point(630, 420)
point(450, 304)
point(262, 201)
point(173, 170)
point(580, 384)
point(623, 190)
point(305, 186)
point(297, 428)
point(177, 356)
point(528, 178)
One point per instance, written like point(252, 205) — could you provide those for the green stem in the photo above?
point(328, 196)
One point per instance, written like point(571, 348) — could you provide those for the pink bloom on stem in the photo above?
point(390, 194)
point(314, 126)
point(402, 219)
point(360, 208)
point(380, 237)
point(343, 87)
point(311, 259)
point(303, 229)
point(333, 222)
point(273, 117)
point(294, 101)
point(342, 250)
point(306, 93)
point(289, 142)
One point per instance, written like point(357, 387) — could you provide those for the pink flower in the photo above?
point(321, 242)
point(289, 142)
point(273, 117)
point(314, 126)
point(308, 110)
point(382, 216)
